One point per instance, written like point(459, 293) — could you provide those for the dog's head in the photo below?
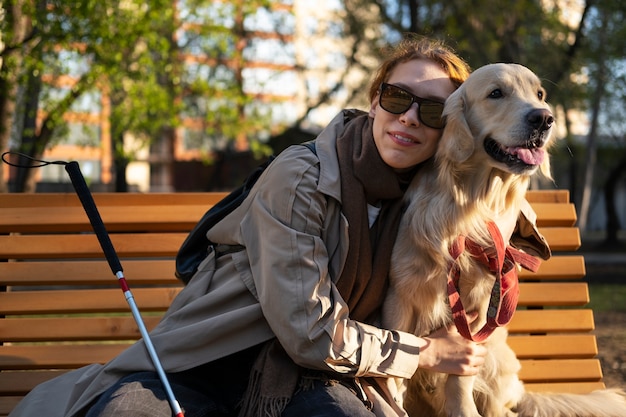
point(499, 116)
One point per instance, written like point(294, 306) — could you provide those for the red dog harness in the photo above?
point(501, 261)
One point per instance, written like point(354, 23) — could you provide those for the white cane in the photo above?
point(78, 181)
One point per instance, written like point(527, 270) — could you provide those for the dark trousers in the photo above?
point(216, 390)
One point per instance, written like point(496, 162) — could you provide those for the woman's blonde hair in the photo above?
point(415, 47)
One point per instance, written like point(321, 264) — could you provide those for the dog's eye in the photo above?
point(497, 93)
point(541, 95)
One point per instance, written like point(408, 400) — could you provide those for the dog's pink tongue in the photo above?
point(529, 156)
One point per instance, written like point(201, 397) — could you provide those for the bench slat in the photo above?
point(156, 271)
point(19, 383)
point(7, 404)
point(124, 328)
point(547, 321)
point(561, 238)
point(547, 196)
point(111, 328)
point(182, 218)
point(571, 387)
point(555, 214)
point(73, 219)
point(560, 370)
point(155, 299)
point(73, 356)
point(167, 244)
point(136, 199)
point(84, 301)
point(87, 246)
point(26, 329)
point(59, 273)
point(554, 346)
point(29, 357)
point(560, 267)
point(553, 294)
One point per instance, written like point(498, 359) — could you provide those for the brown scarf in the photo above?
point(364, 178)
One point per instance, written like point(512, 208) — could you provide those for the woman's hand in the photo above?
point(448, 352)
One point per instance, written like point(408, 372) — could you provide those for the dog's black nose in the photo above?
point(540, 119)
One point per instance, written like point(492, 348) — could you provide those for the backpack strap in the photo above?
point(311, 145)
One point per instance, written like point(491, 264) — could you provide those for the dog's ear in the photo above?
point(457, 142)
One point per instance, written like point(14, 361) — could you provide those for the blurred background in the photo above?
point(189, 95)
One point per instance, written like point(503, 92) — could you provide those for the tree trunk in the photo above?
point(120, 163)
point(610, 187)
point(10, 66)
point(590, 161)
point(25, 178)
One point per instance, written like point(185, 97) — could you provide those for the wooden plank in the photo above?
point(110, 199)
point(560, 370)
point(84, 301)
point(571, 387)
point(126, 218)
point(548, 204)
point(60, 273)
point(156, 299)
point(19, 383)
point(156, 271)
point(547, 196)
point(553, 294)
point(554, 346)
point(561, 267)
point(7, 404)
point(74, 356)
point(167, 244)
point(87, 245)
point(555, 214)
point(38, 199)
point(556, 320)
point(561, 238)
point(47, 329)
point(124, 328)
point(21, 357)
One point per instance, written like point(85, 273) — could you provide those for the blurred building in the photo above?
point(294, 52)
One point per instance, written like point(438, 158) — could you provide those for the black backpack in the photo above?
point(194, 248)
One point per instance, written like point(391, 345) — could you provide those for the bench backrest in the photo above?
point(61, 307)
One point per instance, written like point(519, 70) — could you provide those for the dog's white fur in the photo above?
point(465, 187)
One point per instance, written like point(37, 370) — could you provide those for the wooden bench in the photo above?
point(61, 307)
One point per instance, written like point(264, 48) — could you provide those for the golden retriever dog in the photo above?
point(498, 130)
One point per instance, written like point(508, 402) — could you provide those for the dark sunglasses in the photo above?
point(397, 100)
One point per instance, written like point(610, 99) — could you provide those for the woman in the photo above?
point(284, 321)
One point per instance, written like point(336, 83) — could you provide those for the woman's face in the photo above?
point(402, 140)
